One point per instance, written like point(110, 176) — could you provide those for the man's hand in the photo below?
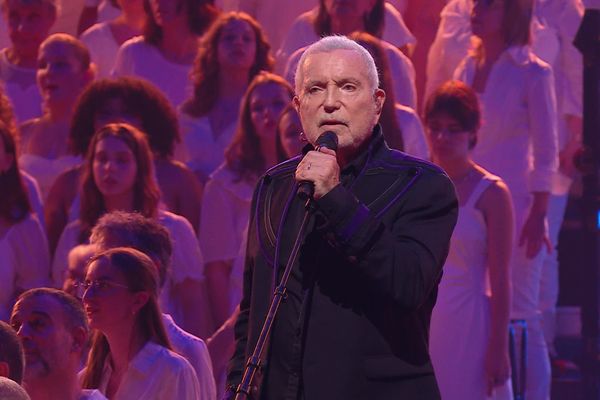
point(533, 234)
point(321, 168)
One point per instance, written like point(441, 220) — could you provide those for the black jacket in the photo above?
point(386, 240)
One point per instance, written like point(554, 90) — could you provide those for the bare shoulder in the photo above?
point(496, 197)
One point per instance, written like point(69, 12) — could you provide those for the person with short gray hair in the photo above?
point(11, 390)
point(355, 320)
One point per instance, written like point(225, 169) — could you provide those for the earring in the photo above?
point(303, 137)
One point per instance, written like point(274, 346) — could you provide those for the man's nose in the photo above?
point(332, 101)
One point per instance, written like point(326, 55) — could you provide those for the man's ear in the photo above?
point(379, 97)
point(4, 369)
point(80, 337)
point(296, 102)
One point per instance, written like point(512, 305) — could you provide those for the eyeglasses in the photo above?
point(450, 132)
point(100, 287)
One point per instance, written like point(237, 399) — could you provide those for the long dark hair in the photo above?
point(146, 192)
point(244, 156)
point(14, 202)
point(388, 120)
point(140, 275)
point(205, 73)
point(200, 13)
point(373, 20)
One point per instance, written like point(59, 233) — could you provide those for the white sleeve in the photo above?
point(187, 260)
point(541, 100)
point(217, 231)
point(412, 133)
point(200, 359)
point(124, 62)
point(68, 240)
point(403, 77)
point(395, 30)
point(300, 34)
point(183, 384)
point(31, 255)
point(570, 73)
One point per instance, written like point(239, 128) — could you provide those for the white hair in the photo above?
point(332, 43)
point(10, 390)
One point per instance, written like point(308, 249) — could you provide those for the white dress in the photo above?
point(103, 47)
point(199, 149)
point(21, 88)
point(460, 321)
point(138, 58)
point(24, 261)
point(186, 262)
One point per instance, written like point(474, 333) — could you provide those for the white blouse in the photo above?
point(103, 47)
point(518, 138)
point(138, 58)
point(21, 88)
point(155, 373)
point(24, 261)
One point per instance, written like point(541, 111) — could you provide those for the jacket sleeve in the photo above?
point(402, 257)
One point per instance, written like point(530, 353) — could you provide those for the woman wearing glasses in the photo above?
point(131, 356)
point(469, 323)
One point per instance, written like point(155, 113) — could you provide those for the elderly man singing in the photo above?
point(354, 322)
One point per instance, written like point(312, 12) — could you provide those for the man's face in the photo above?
point(40, 324)
point(336, 95)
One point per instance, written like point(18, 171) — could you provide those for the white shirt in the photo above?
point(138, 58)
point(46, 170)
point(21, 88)
point(24, 261)
point(186, 263)
point(103, 47)
point(195, 351)
point(302, 33)
point(413, 135)
point(401, 69)
point(199, 149)
point(518, 138)
point(225, 215)
point(35, 197)
point(155, 373)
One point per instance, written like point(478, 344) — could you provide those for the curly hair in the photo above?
point(142, 100)
point(200, 13)
point(373, 20)
point(205, 73)
point(243, 155)
point(146, 194)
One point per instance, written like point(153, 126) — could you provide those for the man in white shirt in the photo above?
point(121, 229)
point(53, 329)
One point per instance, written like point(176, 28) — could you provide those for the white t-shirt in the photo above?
point(103, 47)
point(413, 135)
point(46, 170)
point(195, 351)
point(138, 58)
point(21, 88)
point(199, 149)
point(24, 261)
point(155, 373)
point(302, 33)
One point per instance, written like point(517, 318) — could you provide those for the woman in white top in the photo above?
point(140, 103)
point(28, 25)
point(164, 54)
point(24, 257)
point(104, 38)
point(131, 357)
point(517, 141)
point(118, 174)
point(468, 337)
point(231, 53)
point(64, 70)
point(377, 17)
point(228, 194)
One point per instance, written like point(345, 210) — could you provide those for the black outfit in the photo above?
point(356, 320)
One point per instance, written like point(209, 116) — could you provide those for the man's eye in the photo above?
point(314, 89)
point(349, 87)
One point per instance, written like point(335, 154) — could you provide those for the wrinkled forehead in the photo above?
point(337, 65)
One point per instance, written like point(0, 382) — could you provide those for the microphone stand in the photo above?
point(242, 392)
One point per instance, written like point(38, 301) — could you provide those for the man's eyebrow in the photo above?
point(343, 81)
point(314, 82)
